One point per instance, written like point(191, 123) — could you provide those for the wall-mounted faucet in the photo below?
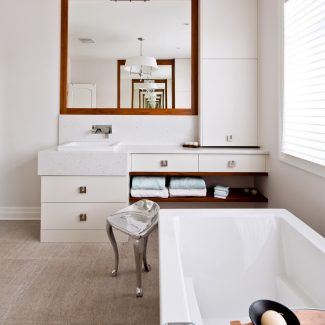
point(102, 129)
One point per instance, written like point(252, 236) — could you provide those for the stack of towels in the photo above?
point(149, 186)
point(221, 191)
point(187, 186)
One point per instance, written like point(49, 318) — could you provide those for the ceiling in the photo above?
point(115, 26)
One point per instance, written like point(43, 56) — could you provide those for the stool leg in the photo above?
point(111, 237)
point(147, 266)
point(138, 245)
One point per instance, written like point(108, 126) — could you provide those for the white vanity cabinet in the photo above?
point(229, 102)
point(228, 29)
point(214, 165)
point(228, 80)
point(75, 208)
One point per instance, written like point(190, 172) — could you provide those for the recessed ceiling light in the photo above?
point(86, 40)
point(178, 48)
point(186, 24)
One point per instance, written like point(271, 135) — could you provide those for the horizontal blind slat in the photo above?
point(305, 127)
point(305, 135)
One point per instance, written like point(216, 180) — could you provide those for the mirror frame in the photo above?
point(126, 111)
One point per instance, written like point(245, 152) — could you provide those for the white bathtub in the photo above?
point(215, 263)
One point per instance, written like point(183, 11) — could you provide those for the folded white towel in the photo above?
point(150, 193)
point(185, 192)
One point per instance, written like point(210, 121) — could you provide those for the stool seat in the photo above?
point(138, 221)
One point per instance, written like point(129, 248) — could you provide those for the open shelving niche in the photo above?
point(235, 194)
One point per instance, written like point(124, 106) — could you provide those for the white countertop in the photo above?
point(54, 162)
point(133, 149)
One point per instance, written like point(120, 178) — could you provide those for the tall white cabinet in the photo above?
point(228, 76)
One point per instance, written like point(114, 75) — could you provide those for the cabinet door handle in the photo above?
point(229, 138)
point(82, 189)
point(83, 217)
point(164, 163)
point(231, 163)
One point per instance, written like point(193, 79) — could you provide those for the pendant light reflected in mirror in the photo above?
point(141, 65)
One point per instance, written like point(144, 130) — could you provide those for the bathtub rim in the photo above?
point(173, 298)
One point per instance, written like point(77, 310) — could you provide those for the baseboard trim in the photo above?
point(20, 213)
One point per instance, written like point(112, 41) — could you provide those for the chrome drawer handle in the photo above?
point(82, 189)
point(83, 217)
point(231, 163)
point(229, 138)
point(164, 163)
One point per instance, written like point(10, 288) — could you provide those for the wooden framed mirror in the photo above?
point(96, 42)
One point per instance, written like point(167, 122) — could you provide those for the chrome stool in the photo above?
point(138, 221)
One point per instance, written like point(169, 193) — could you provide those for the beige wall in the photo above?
point(287, 187)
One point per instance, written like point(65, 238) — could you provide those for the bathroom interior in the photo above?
point(163, 162)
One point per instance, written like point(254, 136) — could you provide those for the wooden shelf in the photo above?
point(198, 174)
point(235, 195)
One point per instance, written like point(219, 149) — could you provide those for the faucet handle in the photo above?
point(102, 129)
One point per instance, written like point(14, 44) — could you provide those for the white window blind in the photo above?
point(304, 80)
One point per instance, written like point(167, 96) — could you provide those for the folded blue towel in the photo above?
point(148, 182)
point(187, 183)
point(219, 192)
point(221, 187)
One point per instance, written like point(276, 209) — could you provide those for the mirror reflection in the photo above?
point(128, 55)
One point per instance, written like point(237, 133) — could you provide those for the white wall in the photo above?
point(29, 102)
point(103, 73)
point(287, 187)
point(29, 108)
point(131, 129)
point(183, 83)
point(29, 98)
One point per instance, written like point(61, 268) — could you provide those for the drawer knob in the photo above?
point(82, 189)
point(229, 138)
point(231, 163)
point(164, 163)
point(83, 217)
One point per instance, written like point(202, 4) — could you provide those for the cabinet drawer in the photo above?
point(67, 215)
point(232, 163)
point(84, 189)
point(165, 163)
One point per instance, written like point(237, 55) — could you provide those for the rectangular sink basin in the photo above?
point(89, 146)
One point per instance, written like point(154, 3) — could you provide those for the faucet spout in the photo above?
point(102, 129)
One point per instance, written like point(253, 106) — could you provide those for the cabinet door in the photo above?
point(229, 103)
point(229, 29)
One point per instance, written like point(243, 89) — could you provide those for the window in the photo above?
point(304, 80)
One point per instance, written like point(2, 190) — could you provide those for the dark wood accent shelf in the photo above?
point(235, 195)
point(199, 174)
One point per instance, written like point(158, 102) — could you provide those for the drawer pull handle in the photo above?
point(83, 217)
point(164, 163)
point(231, 163)
point(82, 189)
point(229, 138)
